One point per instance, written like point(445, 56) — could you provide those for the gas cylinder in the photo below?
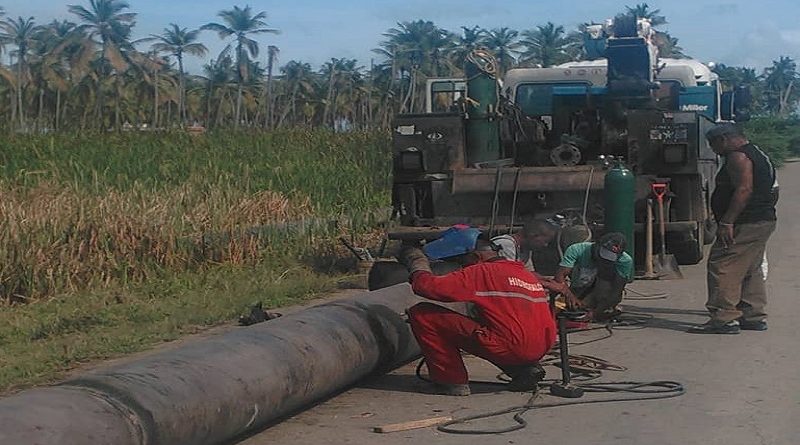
point(482, 126)
point(619, 194)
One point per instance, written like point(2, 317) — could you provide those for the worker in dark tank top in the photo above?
point(744, 209)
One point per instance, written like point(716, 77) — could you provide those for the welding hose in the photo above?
point(660, 389)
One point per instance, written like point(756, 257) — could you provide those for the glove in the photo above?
point(414, 259)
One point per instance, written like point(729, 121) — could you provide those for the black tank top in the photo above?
point(761, 206)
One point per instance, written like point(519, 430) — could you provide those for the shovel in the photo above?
point(666, 266)
point(649, 273)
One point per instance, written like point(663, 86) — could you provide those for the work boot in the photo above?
point(759, 325)
point(524, 378)
point(716, 327)
point(451, 389)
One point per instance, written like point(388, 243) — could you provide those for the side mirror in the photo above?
point(726, 106)
point(742, 99)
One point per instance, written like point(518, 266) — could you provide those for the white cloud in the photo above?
point(791, 36)
point(763, 44)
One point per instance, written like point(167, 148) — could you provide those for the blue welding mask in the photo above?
point(454, 241)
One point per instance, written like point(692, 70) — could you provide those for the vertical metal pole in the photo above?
point(562, 347)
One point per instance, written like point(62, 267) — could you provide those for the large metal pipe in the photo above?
point(216, 389)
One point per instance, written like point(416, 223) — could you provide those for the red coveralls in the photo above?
point(514, 326)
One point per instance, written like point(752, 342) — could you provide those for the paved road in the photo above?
point(740, 389)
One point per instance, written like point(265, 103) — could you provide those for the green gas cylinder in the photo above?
point(619, 195)
point(482, 127)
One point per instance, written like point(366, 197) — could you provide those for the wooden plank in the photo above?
point(411, 425)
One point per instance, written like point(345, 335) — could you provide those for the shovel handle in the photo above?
point(659, 190)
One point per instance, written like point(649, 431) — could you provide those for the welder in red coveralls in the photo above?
point(513, 327)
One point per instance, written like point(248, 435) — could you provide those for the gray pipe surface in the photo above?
point(213, 390)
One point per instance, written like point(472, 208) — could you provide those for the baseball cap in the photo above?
point(611, 246)
point(455, 241)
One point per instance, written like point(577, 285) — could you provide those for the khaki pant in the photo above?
point(735, 277)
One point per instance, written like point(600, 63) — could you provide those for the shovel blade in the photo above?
point(666, 267)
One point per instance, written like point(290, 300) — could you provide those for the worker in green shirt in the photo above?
point(598, 272)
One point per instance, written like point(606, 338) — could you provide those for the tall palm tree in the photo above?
point(780, 81)
point(668, 46)
point(503, 42)
point(272, 55)
point(470, 39)
point(241, 23)
point(418, 48)
point(299, 79)
point(22, 33)
point(546, 45)
point(219, 74)
point(107, 23)
point(177, 41)
point(643, 11)
point(67, 63)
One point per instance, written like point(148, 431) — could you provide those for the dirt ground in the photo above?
point(740, 389)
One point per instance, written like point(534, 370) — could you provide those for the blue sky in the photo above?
point(750, 33)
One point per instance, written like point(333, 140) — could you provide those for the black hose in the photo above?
point(661, 389)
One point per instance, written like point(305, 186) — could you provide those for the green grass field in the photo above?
point(112, 243)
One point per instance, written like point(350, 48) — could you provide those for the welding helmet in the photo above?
point(455, 241)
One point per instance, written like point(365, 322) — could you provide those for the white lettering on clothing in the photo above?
point(533, 287)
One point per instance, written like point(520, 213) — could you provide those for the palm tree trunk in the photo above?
point(410, 94)
point(83, 119)
point(182, 92)
point(237, 115)
point(155, 98)
point(20, 111)
point(98, 106)
point(369, 91)
point(58, 110)
point(268, 113)
point(289, 106)
point(239, 81)
point(208, 103)
point(41, 108)
point(784, 99)
point(330, 95)
point(219, 110)
point(116, 102)
point(13, 96)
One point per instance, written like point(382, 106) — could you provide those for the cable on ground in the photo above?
point(662, 389)
point(640, 296)
point(585, 369)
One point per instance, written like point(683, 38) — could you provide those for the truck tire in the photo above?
point(388, 273)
